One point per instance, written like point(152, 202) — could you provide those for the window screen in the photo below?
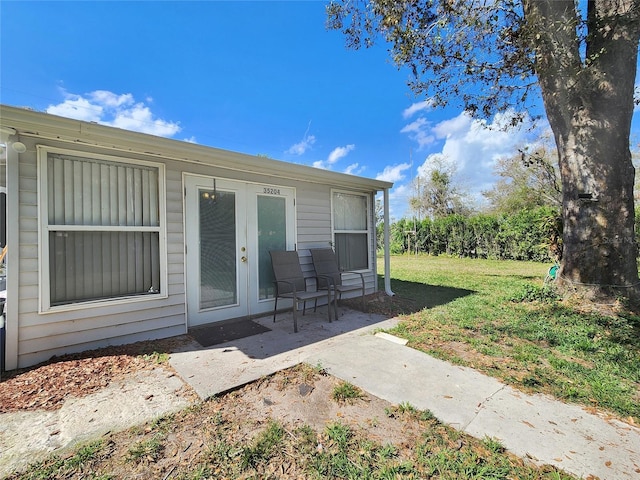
point(350, 230)
point(103, 223)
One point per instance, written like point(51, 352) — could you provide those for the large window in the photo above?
point(101, 228)
point(350, 230)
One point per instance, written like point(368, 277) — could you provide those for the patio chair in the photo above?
point(291, 283)
point(326, 266)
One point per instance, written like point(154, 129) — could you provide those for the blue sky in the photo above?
point(256, 77)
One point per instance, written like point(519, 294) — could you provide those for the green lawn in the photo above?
point(498, 317)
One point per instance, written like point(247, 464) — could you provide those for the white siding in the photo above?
point(79, 328)
point(43, 335)
point(314, 231)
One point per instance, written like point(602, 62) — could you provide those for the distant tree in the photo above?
point(580, 57)
point(438, 195)
point(527, 180)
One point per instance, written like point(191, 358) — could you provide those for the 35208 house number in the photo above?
point(271, 191)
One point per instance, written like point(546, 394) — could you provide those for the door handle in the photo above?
point(243, 259)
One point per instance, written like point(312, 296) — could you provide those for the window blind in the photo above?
point(103, 229)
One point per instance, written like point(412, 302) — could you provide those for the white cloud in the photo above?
point(417, 107)
point(353, 169)
point(473, 146)
point(453, 126)
point(336, 154)
point(419, 131)
point(110, 99)
point(393, 173)
point(399, 194)
point(302, 146)
point(339, 152)
point(78, 108)
point(108, 108)
point(398, 201)
point(139, 118)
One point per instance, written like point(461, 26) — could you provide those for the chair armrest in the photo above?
point(328, 278)
point(292, 284)
point(355, 273)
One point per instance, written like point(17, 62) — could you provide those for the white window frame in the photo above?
point(44, 228)
point(368, 226)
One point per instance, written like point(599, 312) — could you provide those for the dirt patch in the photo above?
point(297, 398)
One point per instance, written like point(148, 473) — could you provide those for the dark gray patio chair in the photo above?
point(291, 283)
point(326, 266)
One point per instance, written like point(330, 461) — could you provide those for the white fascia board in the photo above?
point(44, 125)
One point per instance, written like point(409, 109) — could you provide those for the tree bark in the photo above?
point(588, 98)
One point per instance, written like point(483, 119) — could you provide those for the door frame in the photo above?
point(247, 271)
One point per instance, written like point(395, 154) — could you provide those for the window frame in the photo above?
point(367, 229)
point(44, 228)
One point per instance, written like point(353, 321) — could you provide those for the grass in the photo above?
point(346, 392)
point(407, 409)
point(499, 317)
point(156, 357)
point(59, 467)
point(149, 449)
point(263, 446)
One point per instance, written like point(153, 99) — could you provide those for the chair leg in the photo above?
point(275, 309)
point(335, 304)
point(295, 317)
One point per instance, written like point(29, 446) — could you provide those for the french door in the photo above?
point(230, 226)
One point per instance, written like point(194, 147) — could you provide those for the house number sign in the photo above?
point(271, 191)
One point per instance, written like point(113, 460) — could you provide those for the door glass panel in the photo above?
point(272, 235)
point(218, 285)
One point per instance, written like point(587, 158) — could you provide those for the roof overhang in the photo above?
point(46, 126)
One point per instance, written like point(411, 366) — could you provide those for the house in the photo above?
point(116, 236)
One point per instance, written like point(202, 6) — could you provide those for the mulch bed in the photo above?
point(47, 385)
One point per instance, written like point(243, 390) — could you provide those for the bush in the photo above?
point(527, 235)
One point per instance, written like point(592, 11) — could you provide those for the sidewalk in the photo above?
point(534, 427)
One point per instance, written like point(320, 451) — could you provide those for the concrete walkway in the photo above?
point(535, 427)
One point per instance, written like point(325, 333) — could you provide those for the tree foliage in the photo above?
point(450, 46)
point(526, 180)
point(530, 234)
point(438, 194)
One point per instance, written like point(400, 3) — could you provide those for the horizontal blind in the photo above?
point(84, 191)
point(86, 264)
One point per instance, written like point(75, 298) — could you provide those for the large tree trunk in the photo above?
point(599, 253)
point(588, 98)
